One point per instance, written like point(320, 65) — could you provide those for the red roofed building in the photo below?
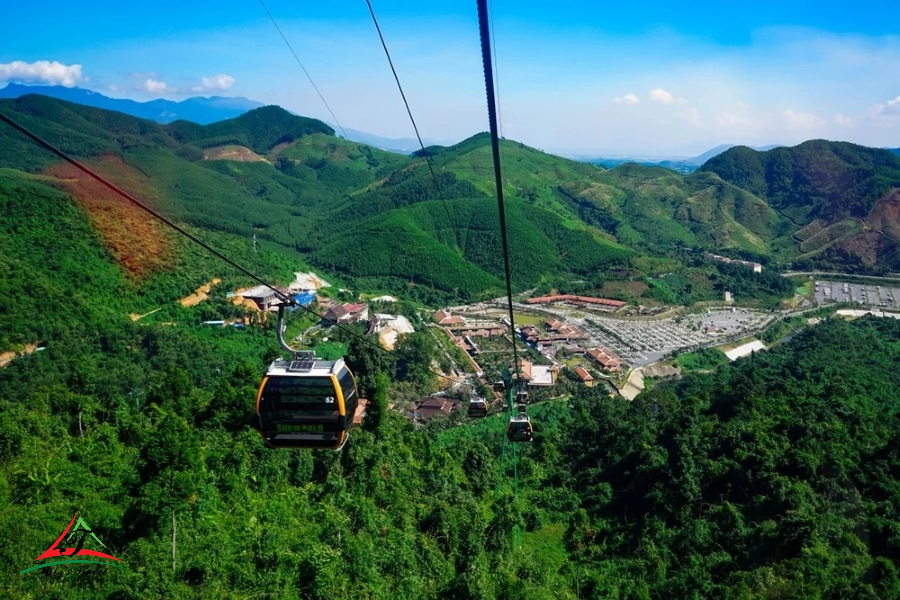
point(433, 406)
point(585, 377)
point(553, 324)
point(606, 359)
point(443, 317)
point(571, 333)
point(525, 368)
point(577, 300)
point(347, 313)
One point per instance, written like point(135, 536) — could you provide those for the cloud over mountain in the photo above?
point(41, 71)
point(220, 81)
point(157, 87)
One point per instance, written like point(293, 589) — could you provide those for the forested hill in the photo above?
point(776, 477)
point(375, 218)
point(348, 207)
point(841, 197)
point(814, 180)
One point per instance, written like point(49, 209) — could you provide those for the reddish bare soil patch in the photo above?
point(885, 215)
point(137, 241)
point(864, 245)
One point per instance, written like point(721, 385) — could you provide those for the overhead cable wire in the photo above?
point(408, 110)
point(305, 72)
point(498, 180)
point(496, 70)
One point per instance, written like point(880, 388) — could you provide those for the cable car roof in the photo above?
point(306, 367)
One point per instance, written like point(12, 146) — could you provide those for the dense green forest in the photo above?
point(772, 477)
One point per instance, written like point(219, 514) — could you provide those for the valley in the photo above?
point(660, 465)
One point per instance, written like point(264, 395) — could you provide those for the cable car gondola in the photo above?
point(478, 408)
point(306, 402)
point(519, 428)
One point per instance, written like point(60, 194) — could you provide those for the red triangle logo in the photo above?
point(54, 551)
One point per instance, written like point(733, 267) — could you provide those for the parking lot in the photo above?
point(863, 294)
point(644, 342)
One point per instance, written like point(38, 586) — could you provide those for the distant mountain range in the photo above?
point(684, 166)
point(198, 110)
point(400, 145)
point(203, 111)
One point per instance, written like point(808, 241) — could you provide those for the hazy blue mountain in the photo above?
point(702, 158)
point(894, 150)
point(680, 165)
point(198, 109)
point(400, 145)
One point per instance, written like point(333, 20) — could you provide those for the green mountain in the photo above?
point(659, 210)
point(378, 218)
point(840, 198)
point(289, 180)
point(400, 219)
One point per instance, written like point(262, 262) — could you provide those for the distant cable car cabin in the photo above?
point(478, 408)
point(519, 428)
point(306, 402)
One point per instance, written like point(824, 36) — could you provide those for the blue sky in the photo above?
point(649, 78)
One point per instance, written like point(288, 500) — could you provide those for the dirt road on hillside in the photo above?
point(200, 295)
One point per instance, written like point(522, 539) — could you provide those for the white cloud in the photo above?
point(801, 120)
point(216, 82)
point(627, 99)
point(692, 116)
point(157, 87)
point(41, 71)
point(661, 95)
point(884, 115)
point(844, 120)
point(893, 106)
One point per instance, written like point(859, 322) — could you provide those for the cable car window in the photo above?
point(347, 385)
point(301, 392)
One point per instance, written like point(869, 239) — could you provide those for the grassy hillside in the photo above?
point(656, 208)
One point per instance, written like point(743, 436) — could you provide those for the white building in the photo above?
point(389, 328)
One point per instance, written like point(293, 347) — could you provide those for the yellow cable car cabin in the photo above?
point(307, 403)
point(478, 408)
point(519, 428)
